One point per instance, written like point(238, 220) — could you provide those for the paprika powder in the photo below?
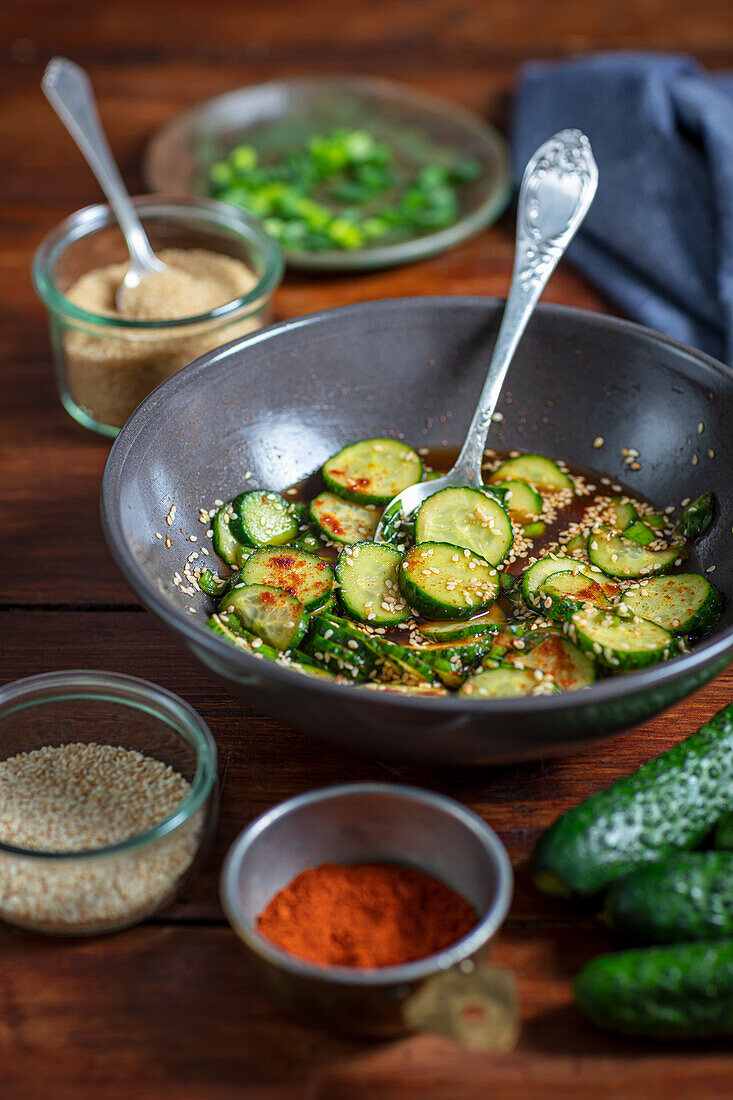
point(365, 915)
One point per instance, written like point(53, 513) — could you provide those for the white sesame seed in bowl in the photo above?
point(107, 799)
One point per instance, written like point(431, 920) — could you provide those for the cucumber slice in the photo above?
point(211, 584)
point(536, 574)
point(242, 554)
point(273, 615)
point(263, 519)
point(350, 639)
point(310, 542)
point(368, 576)
point(342, 521)
point(536, 470)
point(682, 991)
point(521, 501)
point(405, 662)
point(562, 594)
point(621, 644)
point(307, 578)
point(697, 518)
point(618, 556)
point(372, 471)
point(327, 652)
point(640, 533)
point(230, 628)
point(533, 530)
point(453, 663)
point(655, 520)
point(223, 540)
point(577, 542)
point(466, 518)
point(624, 513)
point(442, 581)
point(488, 623)
point(503, 683)
point(561, 661)
point(683, 604)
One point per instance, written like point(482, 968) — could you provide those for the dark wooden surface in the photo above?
point(169, 1009)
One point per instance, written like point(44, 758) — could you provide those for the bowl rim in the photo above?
point(90, 219)
point(484, 930)
point(609, 689)
point(497, 192)
point(125, 691)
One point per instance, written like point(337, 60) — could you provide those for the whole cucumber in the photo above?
point(688, 897)
point(679, 992)
point(666, 806)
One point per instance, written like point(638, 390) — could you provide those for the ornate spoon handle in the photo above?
point(557, 189)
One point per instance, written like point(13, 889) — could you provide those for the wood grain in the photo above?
point(170, 1009)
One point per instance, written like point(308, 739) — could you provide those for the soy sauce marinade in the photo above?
point(589, 504)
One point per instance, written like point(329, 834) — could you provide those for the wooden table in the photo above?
point(169, 1009)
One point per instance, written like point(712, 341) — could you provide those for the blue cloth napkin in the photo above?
point(659, 236)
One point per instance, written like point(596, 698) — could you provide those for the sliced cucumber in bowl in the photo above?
point(620, 643)
point(466, 518)
point(442, 581)
point(621, 557)
point(263, 519)
point(368, 577)
point(685, 603)
point(304, 576)
point(341, 520)
point(562, 594)
point(276, 617)
point(536, 470)
point(372, 471)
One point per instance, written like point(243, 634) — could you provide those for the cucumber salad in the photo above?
point(541, 580)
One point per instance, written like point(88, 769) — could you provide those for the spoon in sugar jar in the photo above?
point(557, 190)
point(69, 91)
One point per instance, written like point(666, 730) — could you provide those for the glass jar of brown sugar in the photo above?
point(224, 271)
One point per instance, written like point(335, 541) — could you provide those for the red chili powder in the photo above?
point(365, 915)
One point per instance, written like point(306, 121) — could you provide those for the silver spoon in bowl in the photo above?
point(69, 91)
point(557, 189)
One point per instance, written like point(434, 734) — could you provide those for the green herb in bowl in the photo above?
point(342, 190)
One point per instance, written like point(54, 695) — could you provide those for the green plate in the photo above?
point(280, 115)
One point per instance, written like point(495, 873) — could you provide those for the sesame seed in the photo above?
point(80, 797)
point(598, 442)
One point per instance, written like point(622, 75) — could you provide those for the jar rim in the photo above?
point(125, 691)
point(90, 219)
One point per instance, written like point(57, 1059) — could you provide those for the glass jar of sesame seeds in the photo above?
point(107, 800)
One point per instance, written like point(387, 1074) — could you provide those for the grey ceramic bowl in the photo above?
point(278, 403)
point(363, 823)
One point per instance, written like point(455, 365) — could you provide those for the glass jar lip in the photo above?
point(126, 691)
point(88, 219)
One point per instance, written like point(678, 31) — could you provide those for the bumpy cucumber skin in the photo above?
point(668, 805)
point(688, 897)
point(680, 992)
